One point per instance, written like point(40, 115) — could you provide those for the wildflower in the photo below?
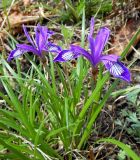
point(95, 56)
point(37, 45)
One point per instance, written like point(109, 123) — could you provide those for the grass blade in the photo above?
point(123, 146)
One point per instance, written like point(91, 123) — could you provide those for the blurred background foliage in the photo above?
point(72, 10)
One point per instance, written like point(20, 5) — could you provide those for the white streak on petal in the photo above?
point(53, 49)
point(116, 69)
point(17, 53)
point(67, 56)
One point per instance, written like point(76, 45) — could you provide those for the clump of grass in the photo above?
point(73, 10)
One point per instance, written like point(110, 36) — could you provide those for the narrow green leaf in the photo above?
point(11, 148)
point(96, 113)
point(83, 29)
point(89, 101)
point(130, 44)
point(123, 146)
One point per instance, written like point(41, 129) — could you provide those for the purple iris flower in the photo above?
point(37, 45)
point(95, 56)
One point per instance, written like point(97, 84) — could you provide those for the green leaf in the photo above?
point(11, 148)
point(123, 146)
point(96, 113)
point(130, 44)
point(89, 101)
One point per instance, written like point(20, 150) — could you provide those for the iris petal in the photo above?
point(100, 41)
point(28, 48)
point(66, 55)
point(92, 26)
point(21, 49)
point(27, 35)
point(15, 53)
point(41, 40)
point(118, 70)
point(83, 52)
point(92, 46)
point(53, 48)
point(110, 57)
point(41, 36)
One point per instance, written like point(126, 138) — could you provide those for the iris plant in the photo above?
point(95, 56)
point(38, 44)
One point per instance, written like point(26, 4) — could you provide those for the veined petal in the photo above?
point(28, 48)
point(81, 51)
point(15, 53)
point(41, 38)
point(66, 55)
point(101, 40)
point(110, 57)
point(21, 49)
point(27, 35)
point(92, 45)
point(118, 70)
point(90, 37)
point(47, 33)
point(53, 48)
